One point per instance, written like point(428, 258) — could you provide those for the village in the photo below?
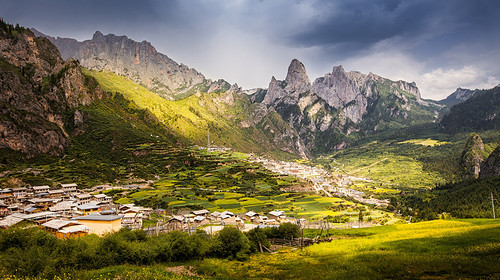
point(322, 181)
point(70, 212)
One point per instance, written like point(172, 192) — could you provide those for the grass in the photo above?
point(443, 249)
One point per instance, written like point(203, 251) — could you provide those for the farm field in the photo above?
point(239, 186)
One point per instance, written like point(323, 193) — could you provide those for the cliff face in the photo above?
point(38, 92)
point(491, 167)
point(138, 61)
point(328, 111)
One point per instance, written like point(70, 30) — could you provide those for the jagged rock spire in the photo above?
point(297, 80)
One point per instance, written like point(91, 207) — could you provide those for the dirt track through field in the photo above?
point(371, 165)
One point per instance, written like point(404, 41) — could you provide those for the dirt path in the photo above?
point(371, 165)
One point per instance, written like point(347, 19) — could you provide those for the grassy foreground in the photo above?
point(430, 250)
point(441, 249)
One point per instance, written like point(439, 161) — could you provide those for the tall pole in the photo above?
point(493, 205)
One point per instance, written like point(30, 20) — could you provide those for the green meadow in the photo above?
point(442, 249)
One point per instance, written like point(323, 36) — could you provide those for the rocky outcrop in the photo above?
point(138, 61)
point(491, 167)
point(473, 156)
point(342, 92)
point(37, 90)
point(295, 83)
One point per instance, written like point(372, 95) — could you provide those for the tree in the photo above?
point(230, 242)
point(258, 240)
point(289, 231)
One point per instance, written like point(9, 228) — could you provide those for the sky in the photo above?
point(441, 45)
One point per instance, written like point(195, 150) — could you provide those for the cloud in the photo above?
point(248, 41)
point(439, 83)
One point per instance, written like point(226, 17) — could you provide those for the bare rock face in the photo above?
point(138, 61)
point(342, 92)
point(276, 90)
point(491, 167)
point(297, 81)
point(37, 89)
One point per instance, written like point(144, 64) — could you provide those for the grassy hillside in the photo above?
point(223, 114)
point(408, 162)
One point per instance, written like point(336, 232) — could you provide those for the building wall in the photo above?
point(101, 228)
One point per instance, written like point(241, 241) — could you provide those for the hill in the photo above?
point(479, 112)
point(232, 120)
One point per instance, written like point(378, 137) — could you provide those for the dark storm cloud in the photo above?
point(359, 24)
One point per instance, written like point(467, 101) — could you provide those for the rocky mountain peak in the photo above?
point(98, 36)
point(458, 96)
point(297, 81)
point(339, 90)
point(338, 70)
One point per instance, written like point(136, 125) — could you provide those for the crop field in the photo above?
point(222, 181)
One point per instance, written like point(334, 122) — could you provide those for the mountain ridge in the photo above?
point(330, 111)
point(138, 61)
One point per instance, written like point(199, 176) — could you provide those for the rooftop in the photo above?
point(99, 217)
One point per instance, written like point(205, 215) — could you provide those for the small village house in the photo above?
point(65, 229)
point(132, 220)
point(200, 220)
point(83, 198)
point(55, 193)
point(101, 224)
point(89, 208)
point(176, 222)
point(69, 189)
point(41, 189)
point(277, 215)
point(102, 198)
point(19, 192)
